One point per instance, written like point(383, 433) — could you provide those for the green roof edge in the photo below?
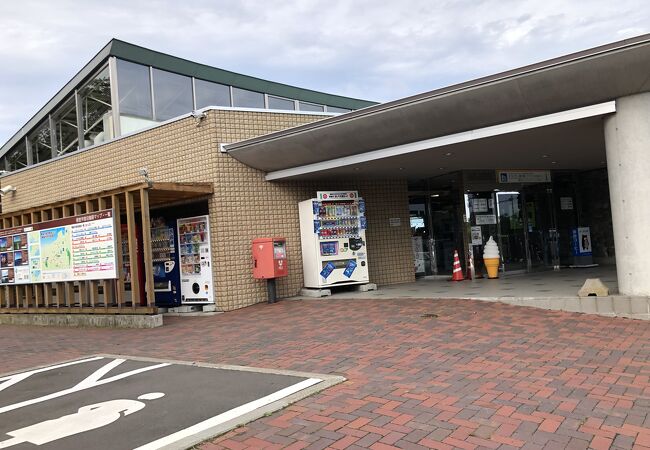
point(142, 55)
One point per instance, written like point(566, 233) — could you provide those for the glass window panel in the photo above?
point(134, 89)
point(311, 107)
point(211, 94)
point(172, 94)
point(247, 99)
point(281, 103)
point(17, 157)
point(65, 125)
point(40, 142)
point(96, 109)
point(336, 109)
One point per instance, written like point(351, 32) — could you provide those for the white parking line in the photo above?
point(18, 377)
point(81, 386)
point(229, 415)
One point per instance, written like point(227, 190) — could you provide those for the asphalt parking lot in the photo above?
point(104, 402)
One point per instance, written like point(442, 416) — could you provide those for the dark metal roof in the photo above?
point(182, 66)
point(141, 55)
point(580, 79)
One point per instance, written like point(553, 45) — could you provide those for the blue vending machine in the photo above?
point(166, 271)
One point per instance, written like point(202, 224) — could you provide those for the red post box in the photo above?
point(269, 258)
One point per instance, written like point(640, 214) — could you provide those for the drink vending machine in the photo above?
point(333, 237)
point(195, 260)
point(165, 262)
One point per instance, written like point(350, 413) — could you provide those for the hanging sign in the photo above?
point(524, 176)
point(486, 219)
point(69, 249)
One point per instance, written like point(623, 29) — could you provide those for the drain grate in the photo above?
point(429, 316)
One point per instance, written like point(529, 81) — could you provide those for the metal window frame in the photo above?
point(81, 139)
point(153, 98)
point(115, 96)
point(193, 94)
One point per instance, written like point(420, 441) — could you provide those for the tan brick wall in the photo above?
point(244, 205)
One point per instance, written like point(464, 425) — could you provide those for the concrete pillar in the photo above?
point(627, 139)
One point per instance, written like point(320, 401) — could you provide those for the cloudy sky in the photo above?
point(377, 50)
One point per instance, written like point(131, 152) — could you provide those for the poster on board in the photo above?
point(74, 248)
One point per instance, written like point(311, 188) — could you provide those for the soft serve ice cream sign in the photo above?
point(491, 258)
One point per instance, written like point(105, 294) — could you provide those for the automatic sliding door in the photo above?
point(512, 241)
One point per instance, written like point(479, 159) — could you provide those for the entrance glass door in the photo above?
point(435, 232)
point(512, 241)
point(424, 257)
point(541, 232)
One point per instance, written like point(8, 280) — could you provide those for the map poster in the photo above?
point(69, 249)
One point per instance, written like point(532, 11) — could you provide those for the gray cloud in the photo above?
point(365, 49)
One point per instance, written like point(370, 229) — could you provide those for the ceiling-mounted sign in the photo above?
point(524, 176)
point(337, 195)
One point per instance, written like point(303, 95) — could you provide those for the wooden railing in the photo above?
point(88, 297)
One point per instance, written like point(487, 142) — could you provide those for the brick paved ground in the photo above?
point(480, 375)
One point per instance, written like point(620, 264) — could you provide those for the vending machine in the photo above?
point(195, 260)
point(166, 276)
point(333, 237)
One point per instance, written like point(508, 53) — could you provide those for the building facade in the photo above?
point(544, 158)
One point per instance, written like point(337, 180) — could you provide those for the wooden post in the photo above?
point(133, 250)
point(119, 257)
point(146, 246)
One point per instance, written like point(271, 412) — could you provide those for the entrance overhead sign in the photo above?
point(69, 249)
point(524, 176)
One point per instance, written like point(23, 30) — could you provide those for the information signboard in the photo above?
point(73, 248)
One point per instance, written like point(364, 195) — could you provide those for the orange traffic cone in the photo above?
point(457, 273)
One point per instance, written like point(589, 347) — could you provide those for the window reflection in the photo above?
point(65, 127)
point(17, 157)
point(172, 94)
point(96, 109)
point(311, 107)
point(211, 94)
point(243, 98)
point(281, 103)
point(40, 143)
point(134, 89)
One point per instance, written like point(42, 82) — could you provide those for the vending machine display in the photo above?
point(166, 276)
point(195, 260)
point(333, 237)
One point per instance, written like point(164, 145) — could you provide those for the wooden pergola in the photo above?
point(100, 296)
